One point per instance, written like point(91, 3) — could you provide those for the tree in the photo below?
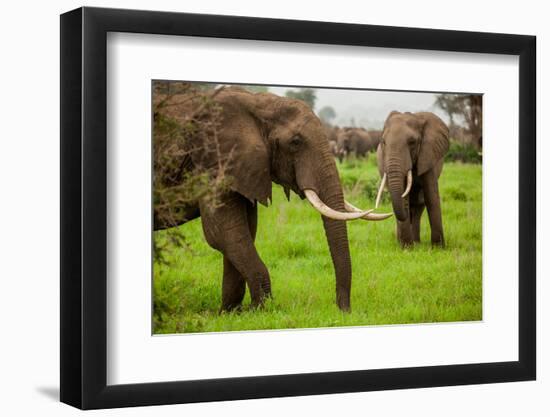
point(307, 95)
point(473, 115)
point(467, 106)
point(327, 114)
point(449, 104)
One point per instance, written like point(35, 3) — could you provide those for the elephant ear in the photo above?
point(241, 151)
point(435, 141)
point(249, 168)
point(261, 118)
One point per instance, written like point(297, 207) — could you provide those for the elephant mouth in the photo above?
point(287, 188)
point(383, 184)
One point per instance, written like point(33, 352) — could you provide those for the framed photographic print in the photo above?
point(256, 208)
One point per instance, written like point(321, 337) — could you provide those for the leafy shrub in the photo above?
point(185, 124)
point(369, 188)
point(355, 185)
point(463, 152)
point(457, 194)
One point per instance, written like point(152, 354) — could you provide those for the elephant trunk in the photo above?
point(336, 232)
point(395, 186)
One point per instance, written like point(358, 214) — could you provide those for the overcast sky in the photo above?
point(368, 108)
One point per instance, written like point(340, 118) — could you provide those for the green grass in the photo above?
point(390, 285)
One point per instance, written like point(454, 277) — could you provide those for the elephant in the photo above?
point(333, 148)
point(410, 159)
point(375, 136)
point(265, 138)
point(332, 136)
point(332, 132)
point(353, 140)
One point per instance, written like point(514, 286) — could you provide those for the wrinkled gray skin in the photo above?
point(270, 139)
point(417, 142)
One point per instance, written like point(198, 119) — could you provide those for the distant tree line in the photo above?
point(469, 109)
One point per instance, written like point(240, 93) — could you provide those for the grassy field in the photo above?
point(390, 285)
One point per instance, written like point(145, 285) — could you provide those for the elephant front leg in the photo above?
point(416, 216)
point(234, 283)
point(247, 262)
point(230, 228)
point(233, 287)
point(433, 205)
point(257, 275)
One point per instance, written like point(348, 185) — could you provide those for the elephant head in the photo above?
point(266, 138)
point(343, 143)
point(411, 145)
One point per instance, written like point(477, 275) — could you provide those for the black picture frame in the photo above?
point(84, 207)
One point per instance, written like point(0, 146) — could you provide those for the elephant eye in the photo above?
point(295, 141)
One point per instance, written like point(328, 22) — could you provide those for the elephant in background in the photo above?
point(410, 160)
point(353, 140)
point(266, 139)
point(376, 137)
point(334, 149)
point(332, 136)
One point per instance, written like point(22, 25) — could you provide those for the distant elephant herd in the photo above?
point(272, 139)
point(347, 141)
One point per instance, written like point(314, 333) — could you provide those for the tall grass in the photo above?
point(390, 285)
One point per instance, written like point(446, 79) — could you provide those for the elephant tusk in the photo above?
point(409, 184)
point(375, 217)
point(326, 211)
point(380, 190)
point(352, 209)
point(370, 215)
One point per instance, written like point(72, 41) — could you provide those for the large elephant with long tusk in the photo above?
point(410, 160)
point(263, 138)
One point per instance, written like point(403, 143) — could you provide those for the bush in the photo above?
point(457, 194)
point(186, 122)
point(356, 185)
point(463, 152)
point(369, 188)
